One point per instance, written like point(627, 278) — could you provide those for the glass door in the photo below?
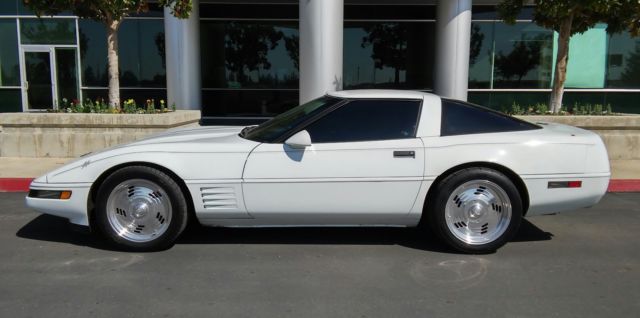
point(39, 87)
point(51, 76)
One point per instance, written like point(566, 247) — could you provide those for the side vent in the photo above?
point(215, 198)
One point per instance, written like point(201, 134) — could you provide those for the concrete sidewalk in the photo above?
point(21, 170)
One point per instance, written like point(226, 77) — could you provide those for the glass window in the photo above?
point(255, 10)
point(389, 12)
point(367, 120)
point(587, 58)
point(481, 54)
point(141, 53)
point(388, 55)
point(285, 122)
point(8, 7)
point(93, 53)
point(242, 54)
point(248, 103)
point(523, 56)
point(623, 62)
point(48, 31)
point(489, 12)
point(459, 118)
point(9, 66)
point(11, 100)
point(67, 74)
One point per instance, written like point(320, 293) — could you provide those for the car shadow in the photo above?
point(54, 229)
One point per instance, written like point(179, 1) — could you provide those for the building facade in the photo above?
point(244, 61)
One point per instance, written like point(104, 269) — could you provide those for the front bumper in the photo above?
point(74, 209)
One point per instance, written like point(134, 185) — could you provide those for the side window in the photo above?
point(460, 118)
point(367, 120)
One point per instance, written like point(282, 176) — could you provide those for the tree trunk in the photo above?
point(562, 60)
point(112, 56)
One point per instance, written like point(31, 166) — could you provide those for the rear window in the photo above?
point(460, 118)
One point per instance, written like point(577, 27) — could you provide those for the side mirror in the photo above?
point(300, 140)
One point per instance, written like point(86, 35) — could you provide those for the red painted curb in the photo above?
point(624, 185)
point(15, 184)
point(22, 185)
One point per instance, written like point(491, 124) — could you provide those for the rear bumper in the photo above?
point(544, 200)
point(74, 209)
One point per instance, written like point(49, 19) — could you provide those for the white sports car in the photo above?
point(351, 158)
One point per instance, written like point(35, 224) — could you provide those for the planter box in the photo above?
point(621, 134)
point(63, 135)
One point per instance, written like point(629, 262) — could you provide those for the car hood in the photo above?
point(192, 142)
point(195, 134)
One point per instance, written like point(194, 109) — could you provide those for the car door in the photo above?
point(365, 166)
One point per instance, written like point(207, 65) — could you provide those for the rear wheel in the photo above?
point(475, 210)
point(141, 209)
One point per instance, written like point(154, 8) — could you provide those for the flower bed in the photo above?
point(99, 106)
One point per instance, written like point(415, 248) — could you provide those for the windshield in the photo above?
point(277, 126)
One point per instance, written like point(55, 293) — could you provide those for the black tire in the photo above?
point(177, 202)
point(436, 209)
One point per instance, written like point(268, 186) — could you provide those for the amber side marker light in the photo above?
point(48, 194)
point(564, 184)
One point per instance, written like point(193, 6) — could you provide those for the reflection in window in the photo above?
point(523, 56)
point(623, 66)
point(510, 56)
point(9, 67)
point(48, 31)
point(481, 55)
point(11, 100)
point(247, 102)
point(249, 54)
point(141, 53)
point(388, 55)
point(93, 53)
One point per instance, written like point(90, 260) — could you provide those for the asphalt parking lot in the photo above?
point(582, 263)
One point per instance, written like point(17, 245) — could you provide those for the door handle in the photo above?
point(404, 154)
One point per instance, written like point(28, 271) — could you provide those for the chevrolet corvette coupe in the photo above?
point(350, 158)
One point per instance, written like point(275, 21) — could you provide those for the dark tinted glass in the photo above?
point(487, 12)
point(248, 54)
point(48, 31)
point(459, 118)
point(11, 100)
point(285, 122)
point(388, 55)
point(248, 103)
point(8, 7)
point(523, 56)
point(141, 53)
point(623, 62)
point(93, 53)
point(389, 12)
point(9, 66)
point(366, 120)
point(248, 11)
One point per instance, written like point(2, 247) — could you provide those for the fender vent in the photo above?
point(215, 198)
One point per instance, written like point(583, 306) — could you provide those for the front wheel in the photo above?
point(475, 210)
point(140, 209)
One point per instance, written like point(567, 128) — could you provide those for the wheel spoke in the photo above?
point(139, 210)
point(478, 212)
